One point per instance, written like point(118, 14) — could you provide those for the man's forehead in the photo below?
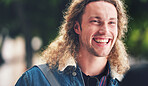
point(99, 5)
point(101, 8)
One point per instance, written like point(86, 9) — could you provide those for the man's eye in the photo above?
point(96, 21)
point(112, 22)
point(93, 21)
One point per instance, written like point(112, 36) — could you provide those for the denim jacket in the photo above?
point(68, 75)
point(71, 76)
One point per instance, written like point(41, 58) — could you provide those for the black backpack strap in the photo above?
point(48, 74)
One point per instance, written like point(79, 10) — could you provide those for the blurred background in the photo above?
point(28, 26)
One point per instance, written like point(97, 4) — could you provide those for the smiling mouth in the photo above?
point(101, 40)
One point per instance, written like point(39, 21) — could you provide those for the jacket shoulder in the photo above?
point(32, 77)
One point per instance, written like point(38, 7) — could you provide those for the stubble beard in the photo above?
point(92, 51)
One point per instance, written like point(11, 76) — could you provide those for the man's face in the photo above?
point(99, 28)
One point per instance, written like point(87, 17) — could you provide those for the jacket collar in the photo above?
point(70, 62)
point(113, 70)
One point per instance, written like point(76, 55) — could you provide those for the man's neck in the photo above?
point(91, 65)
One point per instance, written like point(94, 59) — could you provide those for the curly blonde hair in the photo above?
point(66, 44)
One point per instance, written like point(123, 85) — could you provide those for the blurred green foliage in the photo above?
point(137, 36)
point(43, 17)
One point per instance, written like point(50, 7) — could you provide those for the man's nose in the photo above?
point(103, 29)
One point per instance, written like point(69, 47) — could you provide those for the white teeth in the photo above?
point(101, 40)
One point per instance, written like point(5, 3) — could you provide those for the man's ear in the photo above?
point(77, 27)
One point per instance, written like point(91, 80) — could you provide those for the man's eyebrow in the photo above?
point(97, 17)
point(113, 19)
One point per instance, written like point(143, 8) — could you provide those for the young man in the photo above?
point(89, 50)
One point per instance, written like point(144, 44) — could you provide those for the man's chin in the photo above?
point(93, 52)
point(101, 54)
